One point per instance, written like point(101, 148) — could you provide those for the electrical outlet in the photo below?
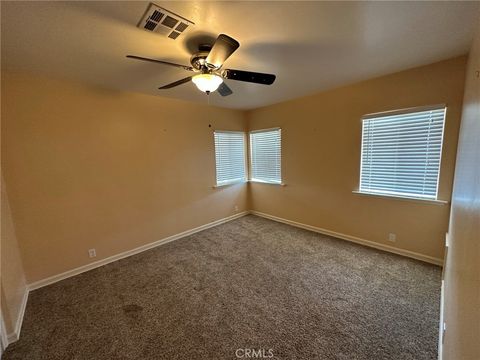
point(236, 207)
point(392, 237)
point(92, 253)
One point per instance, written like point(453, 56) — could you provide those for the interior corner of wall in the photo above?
point(247, 114)
point(7, 320)
point(249, 197)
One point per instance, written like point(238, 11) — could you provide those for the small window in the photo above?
point(230, 157)
point(265, 156)
point(401, 153)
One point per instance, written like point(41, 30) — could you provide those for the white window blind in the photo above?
point(401, 153)
point(265, 156)
point(229, 156)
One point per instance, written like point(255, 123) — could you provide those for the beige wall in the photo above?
point(13, 285)
point(88, 168)
point(462, 271)
point(321, 137)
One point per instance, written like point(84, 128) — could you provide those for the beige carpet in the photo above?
point(248, 284)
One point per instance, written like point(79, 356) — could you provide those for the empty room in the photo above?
point(240, 180)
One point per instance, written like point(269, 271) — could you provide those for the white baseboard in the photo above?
point(96, 264)
point(14, 336)
point(354, 239)
point(442, 325)
point(3, 337)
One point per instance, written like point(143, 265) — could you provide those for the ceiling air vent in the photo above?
point(162, 21)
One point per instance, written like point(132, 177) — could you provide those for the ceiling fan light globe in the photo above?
point(207, 82)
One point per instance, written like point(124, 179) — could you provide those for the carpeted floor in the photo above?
point(249, 284)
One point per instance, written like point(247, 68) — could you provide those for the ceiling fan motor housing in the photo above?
point(198, 60)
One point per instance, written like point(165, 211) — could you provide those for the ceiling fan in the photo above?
point(208, 62)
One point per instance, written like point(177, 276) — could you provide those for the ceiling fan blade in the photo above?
point(223, 47)
point(176, 83)
point(248, 76)
point(224, 90)
point(189, 68)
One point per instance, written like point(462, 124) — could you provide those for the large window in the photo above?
point(401, 152)
point(265, 156)
point(229, 157)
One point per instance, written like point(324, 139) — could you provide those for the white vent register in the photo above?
point(164, 22)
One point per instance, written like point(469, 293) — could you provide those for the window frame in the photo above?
point(245, 165)
point(400, 196)
point(250, 155)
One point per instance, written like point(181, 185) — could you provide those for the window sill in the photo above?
point(404, 198)
point(267, 182)
point(234, 182)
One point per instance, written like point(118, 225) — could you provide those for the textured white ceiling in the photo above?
point(310, 46)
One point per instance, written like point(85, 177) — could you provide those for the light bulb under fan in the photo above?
point(207, 83)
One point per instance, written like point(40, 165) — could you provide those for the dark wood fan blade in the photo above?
point(189, 68)
point(222, 49)
point(248, 76)
point(176, 83)
point(224, 90)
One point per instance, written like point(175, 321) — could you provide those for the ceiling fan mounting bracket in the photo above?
point(204, 47)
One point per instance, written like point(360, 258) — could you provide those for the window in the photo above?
point(229, 157)
point(265, 156)
point(401, 152)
